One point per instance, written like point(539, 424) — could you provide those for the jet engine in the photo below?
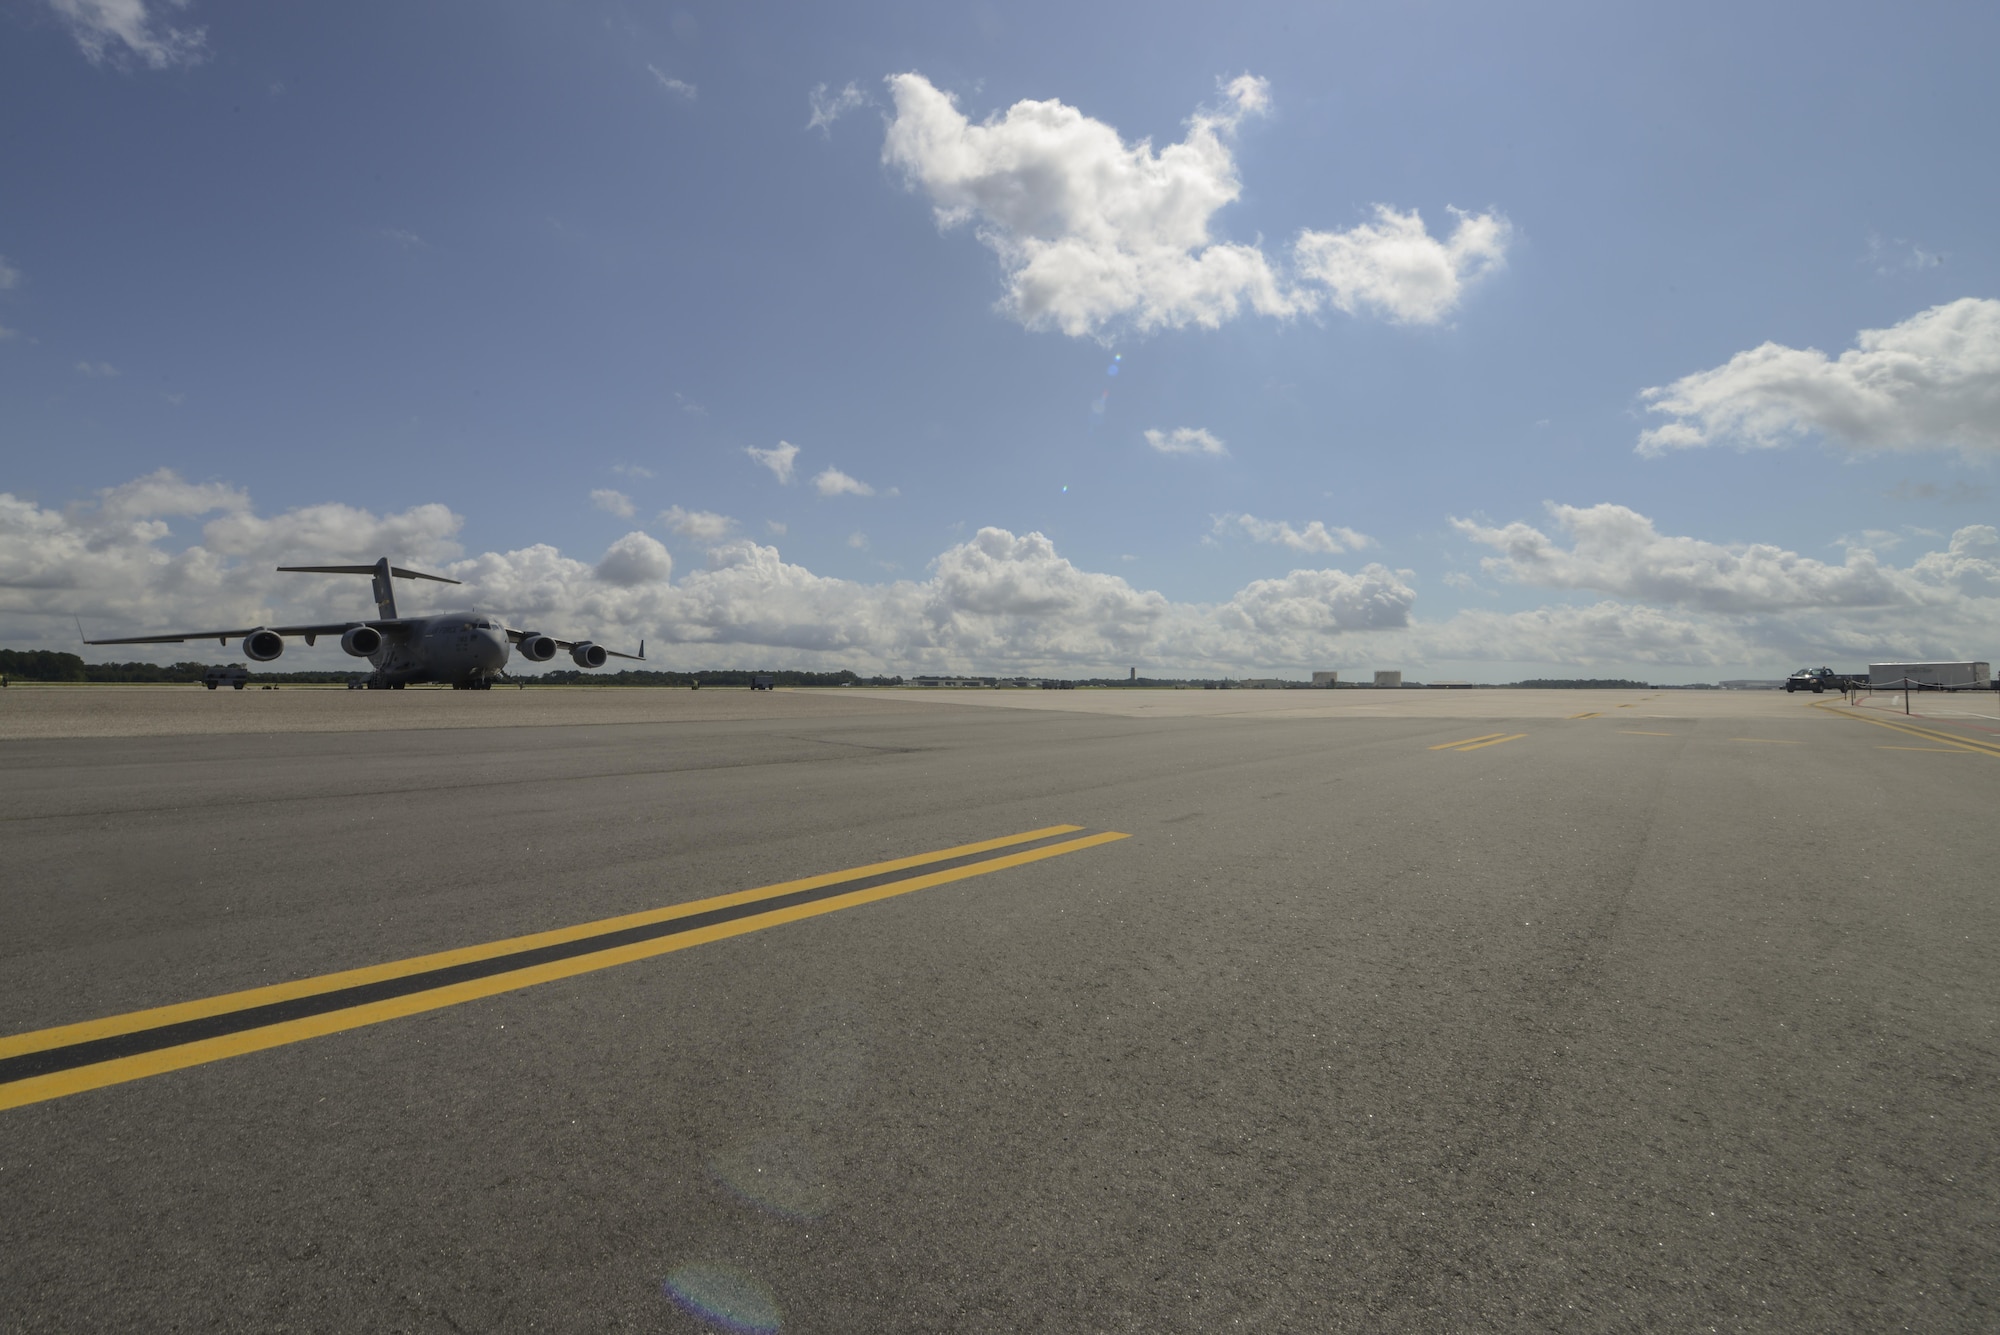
point(261, 645)
point(588, 655)
point(536, 648)
point(361, 641)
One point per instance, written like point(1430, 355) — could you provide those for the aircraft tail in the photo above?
point(385, 596)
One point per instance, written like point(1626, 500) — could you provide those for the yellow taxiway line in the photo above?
point(1475, 743)
point(655, 932)
point(1928, 734)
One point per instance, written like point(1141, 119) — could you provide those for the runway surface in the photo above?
point(1063, 1011)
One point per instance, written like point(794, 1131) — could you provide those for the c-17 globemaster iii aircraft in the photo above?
point(466, 649)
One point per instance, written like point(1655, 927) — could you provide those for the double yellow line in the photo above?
point(1475, 743)
point(68, 1059)
point(1974, 745)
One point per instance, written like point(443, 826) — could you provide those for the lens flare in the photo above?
point(1115, 360)
point(777, 1173)
point(724, 1295)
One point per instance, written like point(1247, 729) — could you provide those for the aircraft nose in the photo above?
point(492, 649)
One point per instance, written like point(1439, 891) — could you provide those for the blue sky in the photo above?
point(508, 284)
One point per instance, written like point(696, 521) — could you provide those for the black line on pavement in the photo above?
point(89, 1052)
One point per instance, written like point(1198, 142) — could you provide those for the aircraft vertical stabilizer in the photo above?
point(385, 594)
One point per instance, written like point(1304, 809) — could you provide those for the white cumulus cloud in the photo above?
point(1396, 268)
point(833, 482)
point(120, 29)
point(9, 275)
point(1618, 551)
point(699, 525)
point(1314, 537)
point(778, 459)
point(612, 502)
point(1094, 232)
point(1931, 382)
point(1090, 230)
point(1186, 440)
point(634, 560)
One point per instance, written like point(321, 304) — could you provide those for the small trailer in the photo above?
point(1930, 676)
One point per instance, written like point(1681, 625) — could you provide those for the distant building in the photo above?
point(1326, 678)
point(1389, 677)
point(958, 682)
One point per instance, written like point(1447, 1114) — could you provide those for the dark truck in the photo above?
point(1820, 680)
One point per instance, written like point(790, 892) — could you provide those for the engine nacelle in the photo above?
point(361, 641)
point(536, 648)
point(262, 645)
point(588, 655)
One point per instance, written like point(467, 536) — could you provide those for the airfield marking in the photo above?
point(68, 1059)
point(1936, 750)
point(1774, 741)
point(1590, 715)
point(1983, 748)
point(1475, 743)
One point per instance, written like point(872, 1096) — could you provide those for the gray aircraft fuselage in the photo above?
point(454, 647)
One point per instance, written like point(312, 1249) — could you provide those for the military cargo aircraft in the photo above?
point(467, 650)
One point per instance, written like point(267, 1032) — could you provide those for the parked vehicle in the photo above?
point(234, 675)
point(1818, 680)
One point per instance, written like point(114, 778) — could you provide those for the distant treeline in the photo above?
point(43, 665)
point(1586, 684)
point(705, 677)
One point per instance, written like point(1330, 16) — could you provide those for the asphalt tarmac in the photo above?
point(1425, 1011)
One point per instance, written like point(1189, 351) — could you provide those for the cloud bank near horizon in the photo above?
point(160, 553)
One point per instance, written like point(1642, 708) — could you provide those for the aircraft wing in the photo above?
point(516, 636)
point(310, 633)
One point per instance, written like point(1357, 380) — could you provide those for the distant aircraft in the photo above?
point(466, 649)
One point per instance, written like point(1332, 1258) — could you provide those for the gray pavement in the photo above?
point(1652, 1020)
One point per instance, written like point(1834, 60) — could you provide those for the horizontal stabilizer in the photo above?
point(397, 571)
